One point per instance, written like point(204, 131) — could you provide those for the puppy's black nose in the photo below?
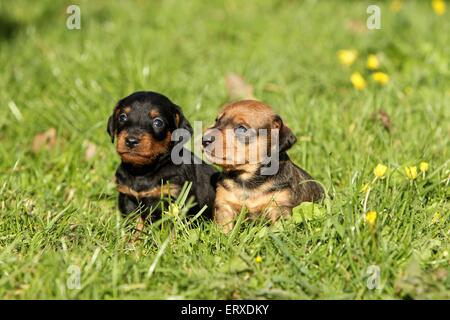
point(131, 142)
point(207, 140)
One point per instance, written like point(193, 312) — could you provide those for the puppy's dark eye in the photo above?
point(240, 130)
point(158, 123)
point(123, 117)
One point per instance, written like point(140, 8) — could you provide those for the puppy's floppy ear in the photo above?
point(181, 122)
point(286, 137)
point(111, 127)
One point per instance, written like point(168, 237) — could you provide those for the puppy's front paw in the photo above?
point(227, 227)
point(224, 217)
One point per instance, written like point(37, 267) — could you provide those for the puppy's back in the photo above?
point(305, 188)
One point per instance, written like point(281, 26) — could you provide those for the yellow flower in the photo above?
point(365, 188)
point(411, 172)
point(174, 210)
point(380, 77)
point(358, 81)
point(347, 57)
point(423, 166)
point(380, 170)
point(371, 218)
point(258, 259)
point(436, 218)
point(372, 62)
point(396, 5)
point(438, 7)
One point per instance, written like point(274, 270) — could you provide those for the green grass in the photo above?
point(58, 210)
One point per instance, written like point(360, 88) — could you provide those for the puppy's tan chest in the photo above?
point(255, 200)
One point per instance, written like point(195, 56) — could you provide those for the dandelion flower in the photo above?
point(380, 170)
point(396, 5)
point(423, 166)
point(358, 81)
point(371, 218)
point(411, 172)
point(372, 62)
point(174, 210)
point(347, 57)
point(258, 259)
point(436, 217)
point(438, 7)
point(380, 77)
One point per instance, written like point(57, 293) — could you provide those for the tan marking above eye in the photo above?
point(127, 109)
point(153, 113)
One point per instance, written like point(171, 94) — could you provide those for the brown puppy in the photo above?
point(249, 141)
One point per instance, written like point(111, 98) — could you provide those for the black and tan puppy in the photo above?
point(249, 141)
point(144, 124)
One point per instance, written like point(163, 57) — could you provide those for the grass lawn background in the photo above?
point(58, 208)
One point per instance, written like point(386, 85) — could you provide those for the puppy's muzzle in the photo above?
point(207, 140)
point(132, 142)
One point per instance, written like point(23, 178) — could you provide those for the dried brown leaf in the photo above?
point(384, 118)
point(90, 151)
point(356, 26)
point(45, 140)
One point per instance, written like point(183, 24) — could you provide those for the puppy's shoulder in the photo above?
point(193, 167)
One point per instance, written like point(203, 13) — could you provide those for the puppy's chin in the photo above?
point(209, 157)
point(215, 160)
point(230, 164)
point(136, 159)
